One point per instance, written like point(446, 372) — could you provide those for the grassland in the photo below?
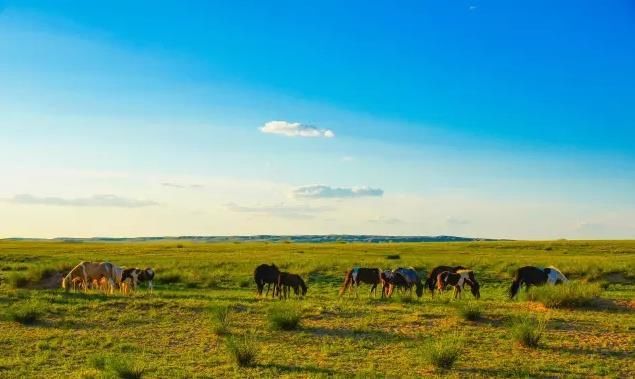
point(175, 331)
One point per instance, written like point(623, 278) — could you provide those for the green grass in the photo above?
point(242, 351)
point(284, 317)
point(443, 353)
point(172, 333)
point(220, 320)
point(470, 311)
point(26, 313)
point(527, 330)
point(568, 295)
point(124, 368)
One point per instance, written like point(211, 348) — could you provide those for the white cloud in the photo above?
point(92, 201)
point(327, 192)
point(347, 158)
point(295, 129)
point(278, 210)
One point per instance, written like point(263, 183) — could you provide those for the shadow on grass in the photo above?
point(516, 372)
point(355, 333)
point(297, 369)
point(586, 351)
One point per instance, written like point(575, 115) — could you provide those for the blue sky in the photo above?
point(484, 118)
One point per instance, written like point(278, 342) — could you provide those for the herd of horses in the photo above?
point(107, 277)
point(404, 279)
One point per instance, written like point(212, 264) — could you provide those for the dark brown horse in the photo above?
point(359, 275)
point(529, 276)
point(286, 281)
point(458, 280)
point(432, 277)
point(266, 274)
point(391, 280)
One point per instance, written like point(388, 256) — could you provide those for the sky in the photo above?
point(490, 119)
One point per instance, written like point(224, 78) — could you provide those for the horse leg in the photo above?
point(373, 289)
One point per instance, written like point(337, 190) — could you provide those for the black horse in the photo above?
point(431, 282)
point(266, 274)
point(529, 276)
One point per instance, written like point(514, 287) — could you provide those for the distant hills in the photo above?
point(280, 238)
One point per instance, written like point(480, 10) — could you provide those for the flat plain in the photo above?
point(173, 332)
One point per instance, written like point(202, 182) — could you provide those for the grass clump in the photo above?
point(16, 280)
point(125, 369)
point(284, 317)
point(98, 361)
point(470, 311)
point(242, 351)
point(25, 314)
point(568, 295)
point(443, 353)
point(393, 257)
point(220, 320)
point(527, 331)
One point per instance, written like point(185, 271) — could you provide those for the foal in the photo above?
point(458, 280)
point(286, 281)
point(431, 281)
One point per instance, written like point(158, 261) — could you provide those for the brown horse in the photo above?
point(358, 275)
point(286, 281)
point(458, 280)
point(432, 277)
point(266, 274)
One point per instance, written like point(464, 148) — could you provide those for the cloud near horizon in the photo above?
point(92, 201)
point(295, 129)
point(326, 192)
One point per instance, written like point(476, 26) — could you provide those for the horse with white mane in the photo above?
point(87, 272)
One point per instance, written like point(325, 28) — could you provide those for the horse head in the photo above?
point(476, 289)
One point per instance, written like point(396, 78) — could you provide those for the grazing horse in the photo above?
point(286, 281)
point(431, 281)
point(131, 277)
point(358, 275)
point(555, 276)
point(535, 276)
point(413, 279)
point(458, 280)
point(86, 272)
point(391, 280)
point(266, 274)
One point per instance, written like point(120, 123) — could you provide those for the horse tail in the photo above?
point(348, 281)
point(513, 290)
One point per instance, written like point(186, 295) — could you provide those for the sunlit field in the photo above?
point(204, 319)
